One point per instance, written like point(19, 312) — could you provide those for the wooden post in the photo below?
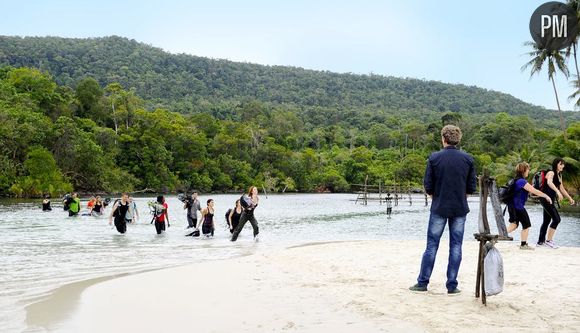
point(487, 188)
point(482, 223)
point(366, 195)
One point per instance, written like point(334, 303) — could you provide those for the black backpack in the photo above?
point(539, 180)
point(245, 201)
point(507, 192)
point(67, 200)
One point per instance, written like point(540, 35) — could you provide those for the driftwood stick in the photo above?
point(496, 204)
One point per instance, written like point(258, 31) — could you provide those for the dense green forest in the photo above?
point(110, 114)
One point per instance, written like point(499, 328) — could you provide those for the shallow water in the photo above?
point(42, 251)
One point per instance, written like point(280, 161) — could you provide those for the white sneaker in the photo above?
point(257, 238)
point(550, 243)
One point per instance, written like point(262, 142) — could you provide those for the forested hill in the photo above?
point(182, 82)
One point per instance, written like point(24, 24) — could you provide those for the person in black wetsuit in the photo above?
point(234, 216)
point(249, 202)
point(119, 211)
point(97, 207)
point(46, 204)
point(207, 225)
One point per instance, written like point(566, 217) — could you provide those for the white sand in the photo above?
point(338, 287)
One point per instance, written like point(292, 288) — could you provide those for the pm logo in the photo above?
point(554, 26)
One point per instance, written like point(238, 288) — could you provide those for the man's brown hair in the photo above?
point(451, 134)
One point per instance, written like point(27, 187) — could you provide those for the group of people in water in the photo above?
point(124, 211)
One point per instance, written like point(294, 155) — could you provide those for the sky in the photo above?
point(469, 42)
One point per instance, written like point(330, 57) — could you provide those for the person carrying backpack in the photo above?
point(233, 216)
point(249, 203)
point(160, 215)
point(516, 206)
point(554, 188)
point(193, 206)
point(72, 204)
point(119, 212)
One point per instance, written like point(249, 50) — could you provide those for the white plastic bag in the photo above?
point(493, 269)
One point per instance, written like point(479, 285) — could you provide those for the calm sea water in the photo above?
point(40, 252)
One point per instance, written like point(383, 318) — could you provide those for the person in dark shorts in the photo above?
point(234, 216)
point(249, 203)
point(119, 212)
point(517, 211)
point(554, 188)
point(206, 222)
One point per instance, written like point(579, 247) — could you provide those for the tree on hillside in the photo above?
point(541, 56)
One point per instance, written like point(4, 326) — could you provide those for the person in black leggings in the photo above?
point(119, 211)
point(554, 188)
point(249, 203)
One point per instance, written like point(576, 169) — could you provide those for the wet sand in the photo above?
point(328, 287)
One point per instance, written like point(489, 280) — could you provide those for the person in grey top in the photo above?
point(132, 215)
point(193, 206)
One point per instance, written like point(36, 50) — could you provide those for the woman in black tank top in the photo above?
point(554, 188)
point(234, 217)
point(207, 213)
point(119, 210)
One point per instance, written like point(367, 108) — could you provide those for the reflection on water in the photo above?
point(42, 251)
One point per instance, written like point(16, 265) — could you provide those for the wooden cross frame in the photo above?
point(487, 187)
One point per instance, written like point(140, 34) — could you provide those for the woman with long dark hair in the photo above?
point(554, 188)
point(207, 225)
point(249, 203)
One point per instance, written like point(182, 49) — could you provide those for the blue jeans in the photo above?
point(434, 232)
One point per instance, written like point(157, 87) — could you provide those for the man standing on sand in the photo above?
point(449, 178)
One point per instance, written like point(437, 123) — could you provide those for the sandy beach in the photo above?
point(329, 287)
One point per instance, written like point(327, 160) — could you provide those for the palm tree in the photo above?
point(554, 59)
point(572, 50)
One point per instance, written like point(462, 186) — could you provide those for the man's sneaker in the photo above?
point(257, 238)
point(540, 244)
point(550, 243)
point(418, 288)
point(454, 292)
point(526, 247)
